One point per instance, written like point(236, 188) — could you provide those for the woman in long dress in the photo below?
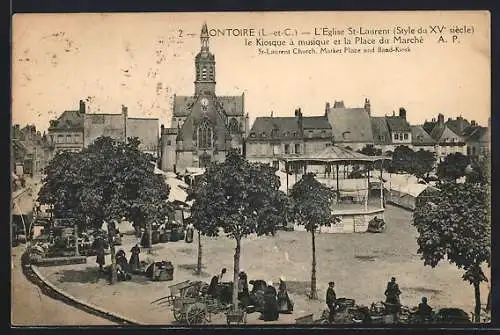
point(134, 258)
point(100, 253)
point(285, 304)
point(270, 312)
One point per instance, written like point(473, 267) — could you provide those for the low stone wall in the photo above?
point(54, 261)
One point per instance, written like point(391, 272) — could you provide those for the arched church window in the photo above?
point(233, 126)
point(204, 73)
point(205, 135)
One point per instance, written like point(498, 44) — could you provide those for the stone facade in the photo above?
point(204, 126)
point(66, 133)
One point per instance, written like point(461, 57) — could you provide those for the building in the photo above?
point(381, 134)
point(30, 149)
point(273, 138)
point(121, 127)
point(478, 140)
point(204, 126)
point(351, 127)
point(399, 128)
point(421, 140)
point(66, 133)
point(447, 138)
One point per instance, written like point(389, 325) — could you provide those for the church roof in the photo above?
point(381, 134)
point(232, 105)
point(420, 137)
point(355, 121)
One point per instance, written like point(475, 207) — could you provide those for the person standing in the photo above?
point(189, 233)
point(424, 310)
point(285, 304)
point(331, 301)
point(270, 312)
point(100, 253)
point(392, 292)
point(134, 258)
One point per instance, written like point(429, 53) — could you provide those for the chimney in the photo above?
point(440, 118)
point(473, 123)
point(338, 104)
point(368, 107)
point(327, 108)
point(125, 110)
point(433, 119)
point(162, 127)
point(82, 107)
point(393, 113)
point(402, 113)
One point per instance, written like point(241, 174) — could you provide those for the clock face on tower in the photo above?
point(204, 102)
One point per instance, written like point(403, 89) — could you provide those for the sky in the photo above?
point(141, 59)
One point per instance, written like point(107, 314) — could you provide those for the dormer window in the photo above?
point(294, 134)
point(252, 134)
point(263, 134)
point(346, 135)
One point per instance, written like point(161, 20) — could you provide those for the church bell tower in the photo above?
point(205, 67)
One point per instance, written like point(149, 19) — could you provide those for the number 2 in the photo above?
point(180, 32)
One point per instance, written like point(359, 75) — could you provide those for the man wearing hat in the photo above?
point(331, 299)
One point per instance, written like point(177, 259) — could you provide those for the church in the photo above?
point(205, 126)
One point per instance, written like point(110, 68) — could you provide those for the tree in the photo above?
point(452, 167)
point(402, 159)
point(236, 197)
point(370, 150)
point(454, 222)
point(312, 208)
point(106, 182)
point(423, 163)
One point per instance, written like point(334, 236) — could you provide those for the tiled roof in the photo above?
point(283, 127)
point(68, 120)
point(437, 131)
point(458, 125)
point(232, 105)
point(354, 121)
point(476, 133)
point(420, 137)
point(428, 126)
point(315, 122)
point(396, 123)
point(381, 134)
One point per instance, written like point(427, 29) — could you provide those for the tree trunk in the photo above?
point(77, 253)
point(314, 291)
point(198, 265)
point(150, 236)
point(237, 252)
point(477, 295)
point(111, 233)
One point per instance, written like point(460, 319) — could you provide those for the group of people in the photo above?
point(124, 267)
point(392, 293)
point(263, 295)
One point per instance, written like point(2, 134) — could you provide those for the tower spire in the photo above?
point(204, 37)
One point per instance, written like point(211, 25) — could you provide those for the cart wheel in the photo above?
point(196, 314)
point(177, 315)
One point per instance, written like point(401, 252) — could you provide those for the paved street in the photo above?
point(30, 307)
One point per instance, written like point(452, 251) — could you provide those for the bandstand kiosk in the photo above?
point(352, 175)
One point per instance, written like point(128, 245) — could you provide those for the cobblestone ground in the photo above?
point(360, 264)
